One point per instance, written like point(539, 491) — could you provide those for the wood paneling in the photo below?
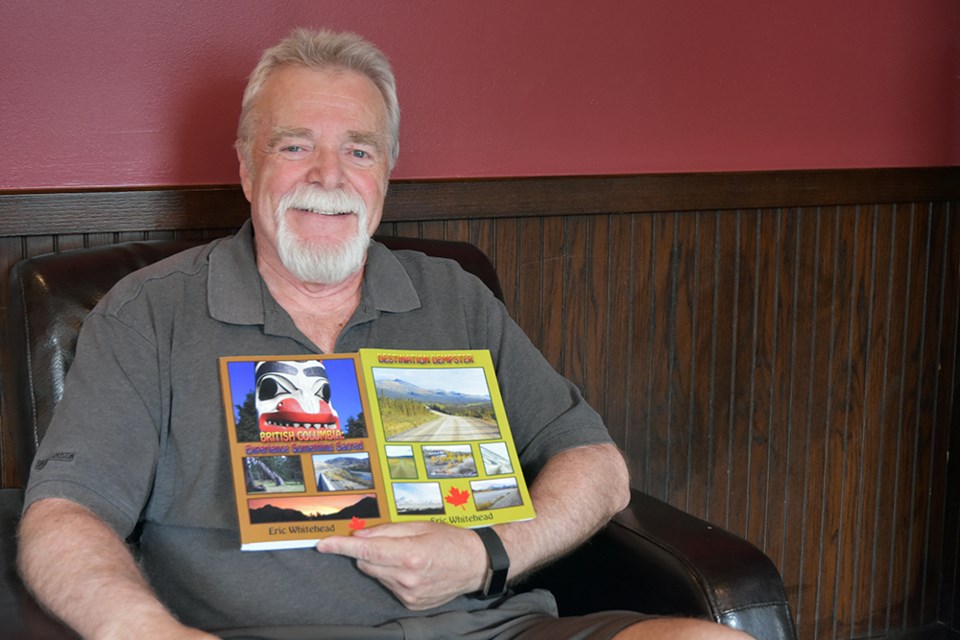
point(774, 352)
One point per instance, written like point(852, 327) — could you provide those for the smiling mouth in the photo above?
point(323, 213)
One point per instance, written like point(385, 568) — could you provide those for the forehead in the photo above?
point(296, 96)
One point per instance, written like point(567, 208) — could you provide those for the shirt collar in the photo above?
point(386, 284)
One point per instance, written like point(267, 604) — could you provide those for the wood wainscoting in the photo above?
point(775, 352)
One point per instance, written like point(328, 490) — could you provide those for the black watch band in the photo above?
point(496, 583)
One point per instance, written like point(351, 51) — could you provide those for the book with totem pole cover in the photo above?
point(325, 445)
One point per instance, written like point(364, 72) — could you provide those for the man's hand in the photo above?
point(424, 564)
point(428, 564)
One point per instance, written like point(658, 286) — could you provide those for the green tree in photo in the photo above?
point(356, 426)
point(248, 427)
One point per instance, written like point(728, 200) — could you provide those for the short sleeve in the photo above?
point(101, 448)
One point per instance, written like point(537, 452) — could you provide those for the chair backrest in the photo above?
point(50, 295)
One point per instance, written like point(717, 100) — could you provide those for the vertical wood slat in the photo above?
point(901, 587)
point(779, 392)
point(528, 307)
point(701, 461)
point(615, 403)
point(640, 275)
point(943, 295)
point(723, 372)
point(797, 524)
point(576, 295)
point(658, 352)
point(598, 309)
point(870, 471)
point(683, 358)
point(891, 320)
point(788, 373)
point(949, 602)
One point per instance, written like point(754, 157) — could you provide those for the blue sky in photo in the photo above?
point(344, 390)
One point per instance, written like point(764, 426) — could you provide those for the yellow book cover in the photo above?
point(443, 438)
point(327, 444)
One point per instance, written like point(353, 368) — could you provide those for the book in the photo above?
point(326, 445)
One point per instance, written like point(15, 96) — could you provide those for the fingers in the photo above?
point(366, 544)
point(423, 564)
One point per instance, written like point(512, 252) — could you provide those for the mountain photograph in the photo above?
point(435, 404)
point(312, 510)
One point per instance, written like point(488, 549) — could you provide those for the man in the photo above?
point(141, 419)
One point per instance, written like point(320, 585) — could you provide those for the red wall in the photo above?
point(141, 92)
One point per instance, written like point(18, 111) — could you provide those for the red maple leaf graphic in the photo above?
point(457, 498)
point(356, 523)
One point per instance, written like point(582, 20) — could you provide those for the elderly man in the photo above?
point(137, 443)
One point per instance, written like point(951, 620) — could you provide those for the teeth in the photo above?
point(320, 202)
point(323, 213)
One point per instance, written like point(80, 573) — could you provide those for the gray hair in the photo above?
point(323, 50)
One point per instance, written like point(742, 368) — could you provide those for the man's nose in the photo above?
point(326, 169)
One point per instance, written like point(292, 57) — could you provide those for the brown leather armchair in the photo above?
point(651, 557)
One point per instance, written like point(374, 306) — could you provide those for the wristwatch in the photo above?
point(496, 583)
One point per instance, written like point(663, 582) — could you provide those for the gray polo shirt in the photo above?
point(142, 421)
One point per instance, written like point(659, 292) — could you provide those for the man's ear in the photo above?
point(246, 180)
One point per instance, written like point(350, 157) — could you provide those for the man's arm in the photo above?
point(577, 492)
point(426, 564)
point(79, 568)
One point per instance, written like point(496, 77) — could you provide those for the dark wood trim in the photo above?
point(93, 211)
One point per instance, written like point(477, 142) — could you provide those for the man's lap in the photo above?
point(527, 616)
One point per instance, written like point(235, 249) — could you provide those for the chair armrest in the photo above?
point(655, 558)
point(20, 615)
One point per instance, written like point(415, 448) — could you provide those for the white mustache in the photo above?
point(321, 201)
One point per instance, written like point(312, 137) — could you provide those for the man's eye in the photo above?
point(292, 151)
point(364, 157)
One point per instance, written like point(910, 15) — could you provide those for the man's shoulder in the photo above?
point(426, 269)
point(158, 278)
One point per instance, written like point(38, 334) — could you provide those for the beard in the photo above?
point(317, 261)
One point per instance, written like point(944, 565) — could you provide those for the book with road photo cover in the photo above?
point(325, 445)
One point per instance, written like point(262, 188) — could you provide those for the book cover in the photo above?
point(327, 444)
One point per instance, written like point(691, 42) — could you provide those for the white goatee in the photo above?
point(316, 261)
